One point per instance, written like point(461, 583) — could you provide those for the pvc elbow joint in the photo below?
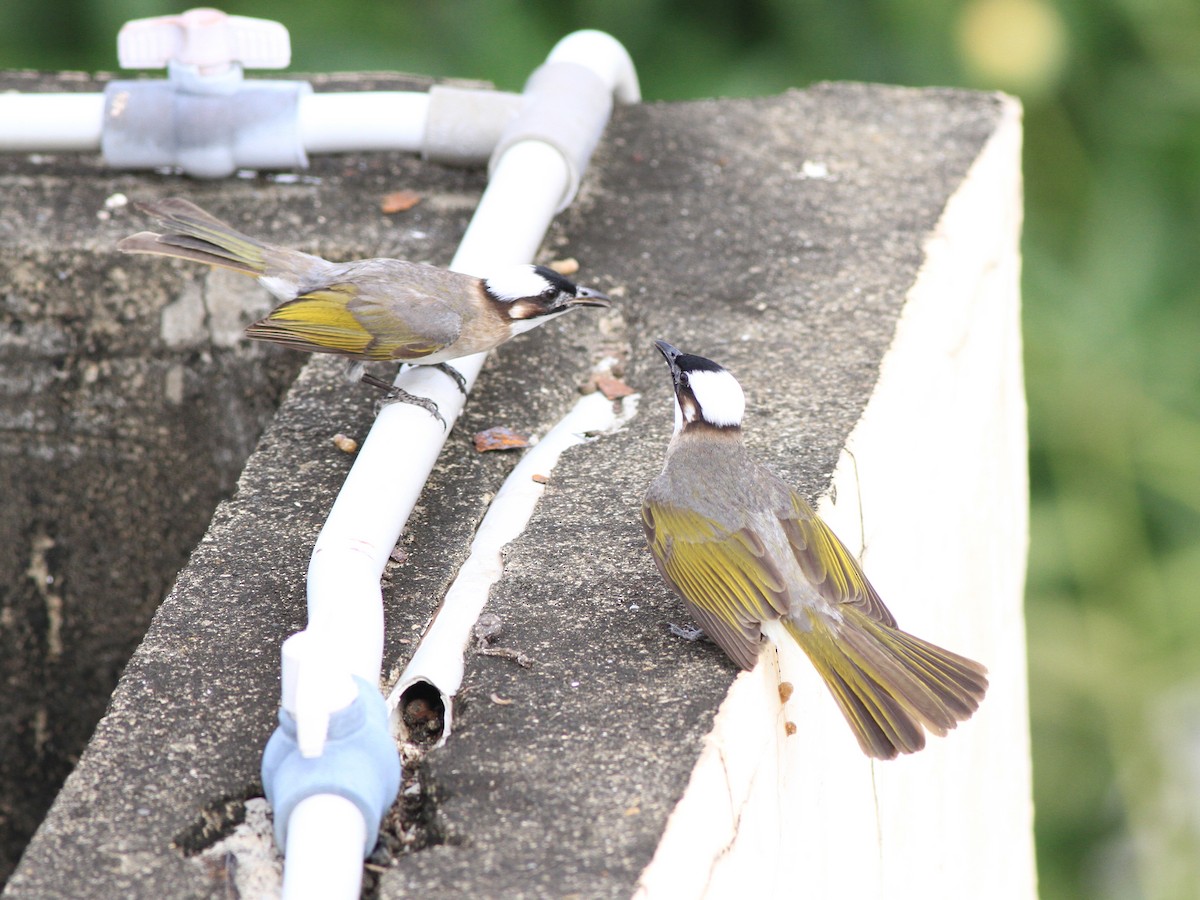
point(359, 762)
point(207, 125)
point(567, 106)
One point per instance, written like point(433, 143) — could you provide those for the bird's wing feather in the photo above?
point(726, 577)
point(397, 319)
point(338, 319)
point(829, 567)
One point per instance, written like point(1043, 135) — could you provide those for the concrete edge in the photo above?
point(931, 480)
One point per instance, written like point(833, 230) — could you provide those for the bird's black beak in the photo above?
point(670, 354)
point(589, 297)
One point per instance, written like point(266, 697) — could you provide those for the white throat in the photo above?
point(719, 396)
point(678, 416)
point(520, 326)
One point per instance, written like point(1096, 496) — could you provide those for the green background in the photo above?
point(1111, 263)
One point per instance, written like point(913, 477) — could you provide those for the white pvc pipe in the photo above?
point(389, 473)
point(363, 121)
point(525, 189)
point(345, 606)
point(333, 122)
point(330, 122)
point(438, 660)
point(344, 599)
point(51, 123)
point(324, 844)
point(604, 55)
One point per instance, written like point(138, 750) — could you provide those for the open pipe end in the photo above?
point(422, 716)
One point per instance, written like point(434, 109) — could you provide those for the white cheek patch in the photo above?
point(515, 283)
point(720, 397)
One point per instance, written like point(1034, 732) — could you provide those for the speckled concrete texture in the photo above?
point(777, 235)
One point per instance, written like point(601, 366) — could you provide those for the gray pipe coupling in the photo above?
point(567, 106)
point(464, 124)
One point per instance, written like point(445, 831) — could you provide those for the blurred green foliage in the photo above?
point(1112, 321)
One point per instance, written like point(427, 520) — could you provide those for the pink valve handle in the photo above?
point(205, 38)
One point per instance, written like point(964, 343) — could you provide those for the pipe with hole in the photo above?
point(531, 178)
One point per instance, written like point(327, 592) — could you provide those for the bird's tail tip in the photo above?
point(891, 686)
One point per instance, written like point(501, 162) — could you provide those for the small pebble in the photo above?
point(567, 267)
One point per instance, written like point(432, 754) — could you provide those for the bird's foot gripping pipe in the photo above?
point(359, 762)
point(396, 394)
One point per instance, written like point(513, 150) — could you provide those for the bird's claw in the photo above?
point(687, 632)
point(393, 394)
point(399, 395)
point(456, 375)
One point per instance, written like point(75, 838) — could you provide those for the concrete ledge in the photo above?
point(820, 244)
point(933, 483)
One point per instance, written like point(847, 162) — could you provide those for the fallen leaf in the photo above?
point(540, 479)
point(499, 438)
point(399, 201)
point(612, 387)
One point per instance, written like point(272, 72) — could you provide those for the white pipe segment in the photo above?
point(331, 122)
point(514, 212)
point(344, 599)
point(51, 123)
point(324, 845)
point(604, 55)
point(345, 607)
point(438, 660)
point(363, 121)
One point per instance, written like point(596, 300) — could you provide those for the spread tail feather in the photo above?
point(193, 234)
point(890, 685)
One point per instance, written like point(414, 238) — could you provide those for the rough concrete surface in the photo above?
point(778, 236)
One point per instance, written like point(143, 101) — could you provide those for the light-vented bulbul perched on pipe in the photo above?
point(752, 559)
point(368, 310)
